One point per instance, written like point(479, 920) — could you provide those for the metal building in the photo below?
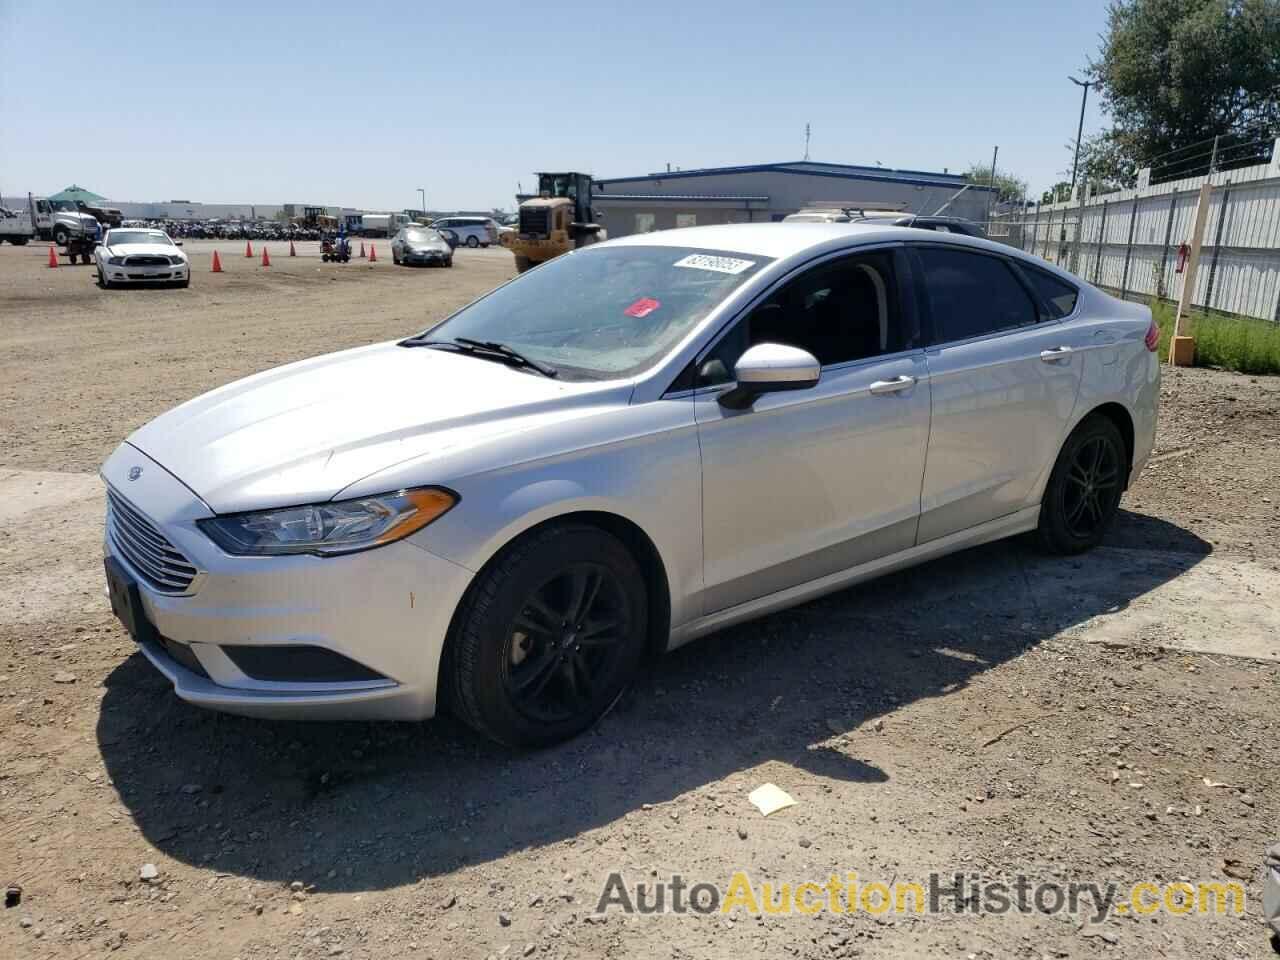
point(771, 191)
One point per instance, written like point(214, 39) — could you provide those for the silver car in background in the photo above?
point(416, 244)
point(636, 444)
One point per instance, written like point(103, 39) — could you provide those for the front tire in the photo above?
point(549, 637)
point(473, 242)
point(1083, 494)
point(60, 236)
point(522, 264)
point(103, 282)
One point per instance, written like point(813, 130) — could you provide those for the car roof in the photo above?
point(776, 240)
point(796, 241)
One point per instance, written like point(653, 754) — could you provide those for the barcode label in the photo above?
point(703, 261)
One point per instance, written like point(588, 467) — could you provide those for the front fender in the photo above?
point(650, 477)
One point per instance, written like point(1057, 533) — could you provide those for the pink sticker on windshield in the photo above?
point(642, 307)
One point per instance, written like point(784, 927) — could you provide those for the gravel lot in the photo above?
point(998, 712)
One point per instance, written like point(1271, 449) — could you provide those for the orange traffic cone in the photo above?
point(53, 257)
point(266, 258)
point(373, 252)
point(292, 251)
point(217, 263)
point(248, 249)
point(362, 253)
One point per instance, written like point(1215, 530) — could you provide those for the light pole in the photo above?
point(1084, 96)
point(424, 201)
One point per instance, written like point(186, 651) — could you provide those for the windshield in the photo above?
point(422, 236)
point(605, 311)
point(137, 236)
point(64, 205)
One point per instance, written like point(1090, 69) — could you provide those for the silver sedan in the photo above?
point(631, 446)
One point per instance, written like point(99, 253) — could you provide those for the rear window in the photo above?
point(1059, 297)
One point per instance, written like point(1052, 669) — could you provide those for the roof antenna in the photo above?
point(806, 141)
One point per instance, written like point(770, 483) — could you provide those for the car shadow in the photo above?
point(379, 805)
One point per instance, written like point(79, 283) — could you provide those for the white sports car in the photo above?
point(633, 445)
point(133, 255)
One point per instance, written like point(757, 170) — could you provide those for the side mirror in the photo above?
point(770, 368)
point(177, 243)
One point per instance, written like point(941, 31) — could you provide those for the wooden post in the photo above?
point(1182, 349)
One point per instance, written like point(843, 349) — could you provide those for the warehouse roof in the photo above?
point(811, 168)
point(689, 197)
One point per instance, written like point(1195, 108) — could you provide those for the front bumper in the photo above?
point(150, 274)
point(386, 610)
point(426, 256)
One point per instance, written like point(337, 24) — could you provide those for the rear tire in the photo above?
point(18, 241)
point(549, 636)
point(473, 241)
point(1083, 494)
point(522, 264)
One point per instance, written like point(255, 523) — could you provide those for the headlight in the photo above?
point(116, 261)
point(176, 259)
point(329, 528)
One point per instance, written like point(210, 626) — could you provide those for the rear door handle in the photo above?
point(1057, 353)
point(896, 385)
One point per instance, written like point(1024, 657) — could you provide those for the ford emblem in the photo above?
point(135, 473)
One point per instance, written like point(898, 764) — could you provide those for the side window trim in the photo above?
point(933, 340)
point(893, 247)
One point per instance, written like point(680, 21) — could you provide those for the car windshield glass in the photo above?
point(421, 236)
point(607, 311)
point(137, 236)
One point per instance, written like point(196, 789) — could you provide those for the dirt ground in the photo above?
point(1112, 717)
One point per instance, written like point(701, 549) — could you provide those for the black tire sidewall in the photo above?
point(481, 640)
point(1054, 532)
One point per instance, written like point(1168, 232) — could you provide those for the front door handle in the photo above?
point(896, 385)
point(1057, 353)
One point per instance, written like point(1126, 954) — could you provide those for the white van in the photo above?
point(473, 231)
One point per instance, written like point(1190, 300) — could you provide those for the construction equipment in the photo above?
point(557, 220)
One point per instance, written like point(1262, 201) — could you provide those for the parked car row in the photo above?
point(229, 229)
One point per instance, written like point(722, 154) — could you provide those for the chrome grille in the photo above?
point(136, 539)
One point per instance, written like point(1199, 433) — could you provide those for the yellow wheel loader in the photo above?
point(557, 220)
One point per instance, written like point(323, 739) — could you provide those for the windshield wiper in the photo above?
point(486, 350)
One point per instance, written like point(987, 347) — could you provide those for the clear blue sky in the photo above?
point(362, 102)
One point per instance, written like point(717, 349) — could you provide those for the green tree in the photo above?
point(1175, 73)
point(1008, 186)
point(1057, 193)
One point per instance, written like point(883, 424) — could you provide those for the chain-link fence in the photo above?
point(1132, 242)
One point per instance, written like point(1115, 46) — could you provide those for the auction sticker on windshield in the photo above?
point(705, 261)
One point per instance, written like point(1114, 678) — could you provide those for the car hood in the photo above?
point(303, 432)
point(143, 250)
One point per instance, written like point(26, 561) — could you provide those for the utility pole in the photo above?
point(806, 141)
point(1084, 96)
point(424, 201)
point(992, 195)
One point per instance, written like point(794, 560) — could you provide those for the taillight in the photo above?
point(1152, 339)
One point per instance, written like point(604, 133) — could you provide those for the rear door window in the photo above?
point(1058, 297)
point(971, 294)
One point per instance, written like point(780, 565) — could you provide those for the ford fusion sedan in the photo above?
point(422, 245)
point(634, 445)
point(133, 255)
